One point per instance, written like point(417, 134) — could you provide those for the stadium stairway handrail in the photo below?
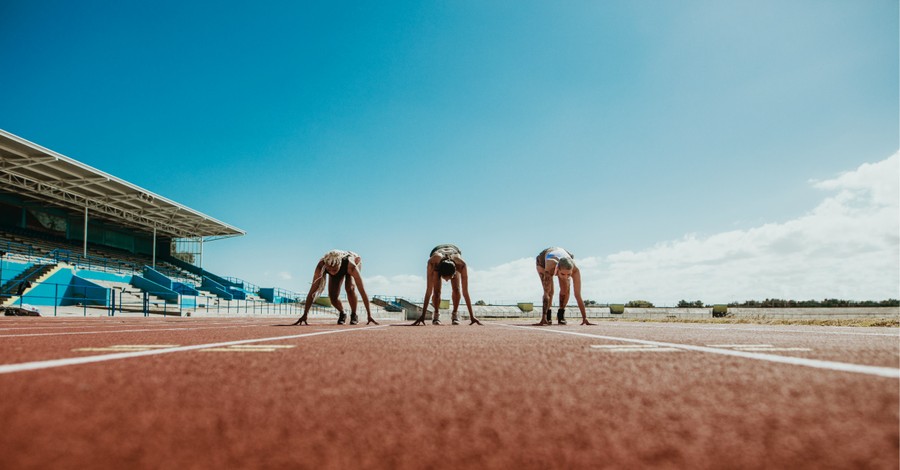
point(196, 270)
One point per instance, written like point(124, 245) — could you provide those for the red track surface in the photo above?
point(444, 397)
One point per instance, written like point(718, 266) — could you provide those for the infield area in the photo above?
point(252, 393)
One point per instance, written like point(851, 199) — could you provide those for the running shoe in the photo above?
point(342, 317)
point(353, 318)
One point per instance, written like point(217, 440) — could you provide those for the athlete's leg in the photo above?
point(436, 301)
point(350, 287)
point(334, 289)
point(547, 299)
point(455, 295)
point(564, 290)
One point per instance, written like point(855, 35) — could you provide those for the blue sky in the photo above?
point(504, 127)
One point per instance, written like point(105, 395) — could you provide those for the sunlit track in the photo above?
point(38, 365)
point(247, 386)
point(799, 361)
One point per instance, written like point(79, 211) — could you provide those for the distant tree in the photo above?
point(639, 304)
point(480, 302)
point(687, 304)
point(590, 302)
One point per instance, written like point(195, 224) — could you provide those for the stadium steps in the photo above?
point(386, 304)
point(33, 275)
point(129, 297)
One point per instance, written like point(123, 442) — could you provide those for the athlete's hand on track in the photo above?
point(301, 321)
point(420, 321)
point(542, 323)
point(371, 320)
point(585, 322)
point(474, 321)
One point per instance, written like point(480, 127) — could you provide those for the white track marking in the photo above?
point(731, 327)
point(11, 368)
point(619, 348)
point(125, 331)
point(250, 348)
point(117, 324)
point(127, 347)
point(773, 349)
point(798, 361)
point(758, 347)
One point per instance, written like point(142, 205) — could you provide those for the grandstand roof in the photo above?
point(37, 173)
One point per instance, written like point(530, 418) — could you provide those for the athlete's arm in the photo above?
point(464, 280)
point(318, 279)
point(362, 291)
point(576, 285)
point(429, 287)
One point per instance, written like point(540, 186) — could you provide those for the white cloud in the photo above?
point(846, 247)
point(404, 285)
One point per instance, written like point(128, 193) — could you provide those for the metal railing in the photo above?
point(110, 301)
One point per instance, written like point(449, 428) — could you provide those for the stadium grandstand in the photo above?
point(74, 236)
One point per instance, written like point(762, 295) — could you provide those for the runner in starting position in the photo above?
point(559, 262)
point(446, 264)
point(338, 264)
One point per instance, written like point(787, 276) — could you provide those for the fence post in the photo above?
point(55, 297)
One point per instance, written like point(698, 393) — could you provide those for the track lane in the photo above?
point(446, 397)
point(888, 372)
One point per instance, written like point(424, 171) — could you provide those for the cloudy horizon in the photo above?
point(846, 247)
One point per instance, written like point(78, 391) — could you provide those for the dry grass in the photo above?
point(862, 322)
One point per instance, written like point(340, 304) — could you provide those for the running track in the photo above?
point(249, 393)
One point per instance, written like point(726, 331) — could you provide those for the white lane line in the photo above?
point(11, 368)
point(125, 331)
point(896, 334)
point(773, 349)
point(758, 347)
point(798, 361)
point(127, 347)
point(620, 348)
point(147, 324)
point(250, 348)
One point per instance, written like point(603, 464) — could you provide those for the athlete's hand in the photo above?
point(301, 321)
point(542, 323)
point(474, 320)
point(371, 320)
point(420, 321)
point(586, 322)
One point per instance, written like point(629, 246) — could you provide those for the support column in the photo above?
point(85, 230)
point(154, 247)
